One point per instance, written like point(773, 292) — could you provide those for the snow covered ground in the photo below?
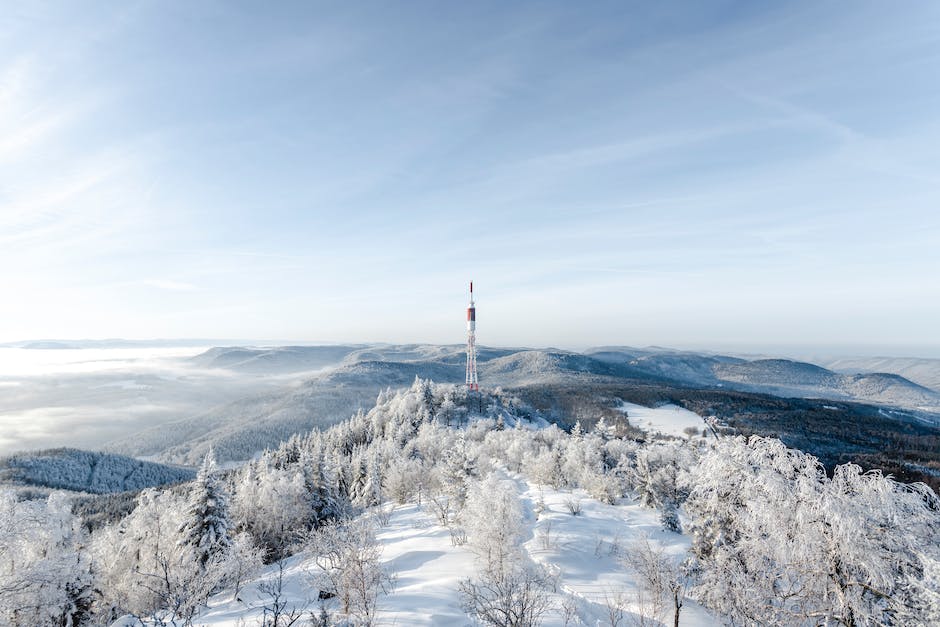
point(666, 419)
point(416, 551)
point(586, 549)
point(582, 550)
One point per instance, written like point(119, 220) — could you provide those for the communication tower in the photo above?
point(472, 382)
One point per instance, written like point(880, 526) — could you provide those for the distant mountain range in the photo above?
point(336, 381)
point(781, 377)
point(394, 365)
point(925, 372)
point(241, 399)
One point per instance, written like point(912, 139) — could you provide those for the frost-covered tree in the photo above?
point(141, 569)
point(604, 430)
point(545, 467)
point(426, 392)
point(871, 536)
point(577, 431)
point(777, 541)
point(507, 591)
point(516, 598)
point(319, 477)
point(584, 464)
point(447, 412)
point(404, 479)
point(241, 562)
point(656, 471)
point(660, 578)
point(493, 520)
point(45, 576)
point(348, 566)
point(458, 470)
point(205, 531)
point(273, 505)
point(366, 479)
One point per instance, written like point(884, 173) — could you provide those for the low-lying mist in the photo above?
point(85, 397)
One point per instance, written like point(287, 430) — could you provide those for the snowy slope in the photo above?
point(419, 554)
point(576, 547)
point(585, 550)
point(427, 567)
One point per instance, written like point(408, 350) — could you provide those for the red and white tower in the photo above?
point(472, 382)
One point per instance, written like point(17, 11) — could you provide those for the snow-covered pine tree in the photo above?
point(309, 463)
point(370, 490)
point(576, 431)
point(332, 504)
point(603, 430)
point(426, 389)
point(448, 409)
point(205, 530)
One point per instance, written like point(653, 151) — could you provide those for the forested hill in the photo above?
point(87, 471)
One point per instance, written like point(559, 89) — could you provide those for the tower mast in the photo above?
point(472, 382)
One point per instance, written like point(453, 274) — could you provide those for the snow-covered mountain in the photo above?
point(925, 372)
point(781, 377)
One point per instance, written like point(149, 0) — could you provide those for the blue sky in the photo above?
point(704, 174)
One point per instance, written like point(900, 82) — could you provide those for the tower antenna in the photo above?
point(472, 382)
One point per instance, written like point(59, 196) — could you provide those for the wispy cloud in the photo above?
point(800, 116)
point(173, 286)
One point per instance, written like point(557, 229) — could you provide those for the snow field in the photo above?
point(426, 567)
point(666, 419)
